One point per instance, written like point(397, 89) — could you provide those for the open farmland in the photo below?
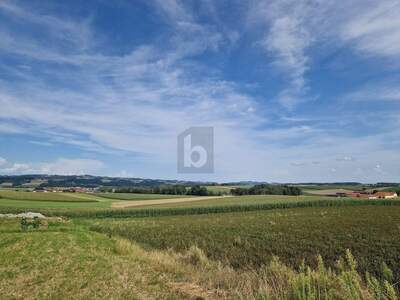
point(37, 205)
point(240, 200)
point(205, 255)
point(65, 260)
point(139, 197)
point(31, 200)
point(54, 197)
point(168, 201)
point(225, 188)
point(251, 239)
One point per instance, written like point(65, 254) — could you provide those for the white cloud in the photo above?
point(140, 101)
point(293, 29)
point(73, 32)
point(375, 28)
point(345, 159)
point(65, 166)
point(376, 92)
point(290, 31)
point(298, 164)
point(289, 39)
point(17, 168)
point(61, 166)
point(3, 161)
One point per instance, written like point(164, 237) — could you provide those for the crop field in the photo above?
point(251, 239)
point(37, 205)
point(31, 200)
point(217, 252)
point(54, 197)
point(156, 202)
point(225, 188)
point(243, 200)
point(76, 201)
point(132, 196)
point(331, 186)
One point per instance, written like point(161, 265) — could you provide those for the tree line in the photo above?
point(267, 189)
point(197, 190)
point(175, 189)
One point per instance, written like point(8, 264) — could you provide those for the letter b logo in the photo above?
point(196, 150)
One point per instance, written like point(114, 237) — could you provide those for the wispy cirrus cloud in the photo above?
point(293, 29)
point(290, 31)
point(136, 101)
point(375, 28)
point(388, 91)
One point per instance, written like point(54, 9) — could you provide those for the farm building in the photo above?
point(385, 195)
point(365, 195)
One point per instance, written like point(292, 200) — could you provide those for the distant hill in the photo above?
point(85, 181)
point(89, 181)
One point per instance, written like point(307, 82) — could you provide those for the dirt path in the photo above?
point(125, 204)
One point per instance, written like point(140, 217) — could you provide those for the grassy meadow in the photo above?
point(23, 199)
point(53, 197)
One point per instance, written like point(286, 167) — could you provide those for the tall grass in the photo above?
point(278, 281)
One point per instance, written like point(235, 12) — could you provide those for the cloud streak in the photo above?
point(61, 166)
point(136, 102)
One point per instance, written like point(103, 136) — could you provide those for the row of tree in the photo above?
point(267, 189)
point(175, 189)
point(197, 190)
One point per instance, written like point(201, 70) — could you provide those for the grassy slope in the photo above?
point(66, 261)
point(69, 262)
point(252, 238)
point(54, 197)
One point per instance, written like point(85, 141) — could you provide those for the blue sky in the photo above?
point(295, 90)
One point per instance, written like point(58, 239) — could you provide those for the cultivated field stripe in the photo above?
point(125, 204)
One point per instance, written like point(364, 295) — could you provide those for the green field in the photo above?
point(44, 205)
point(351, 187)
point(132, 196)
point(65, 261)
point(214, 248)
point(76, 201)
point(54, 197)
point(191, 257)
point(31, 200)
point(225, 188)
point(243, 200)
point(251, 239)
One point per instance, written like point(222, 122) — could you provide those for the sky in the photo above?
point(296, 90)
